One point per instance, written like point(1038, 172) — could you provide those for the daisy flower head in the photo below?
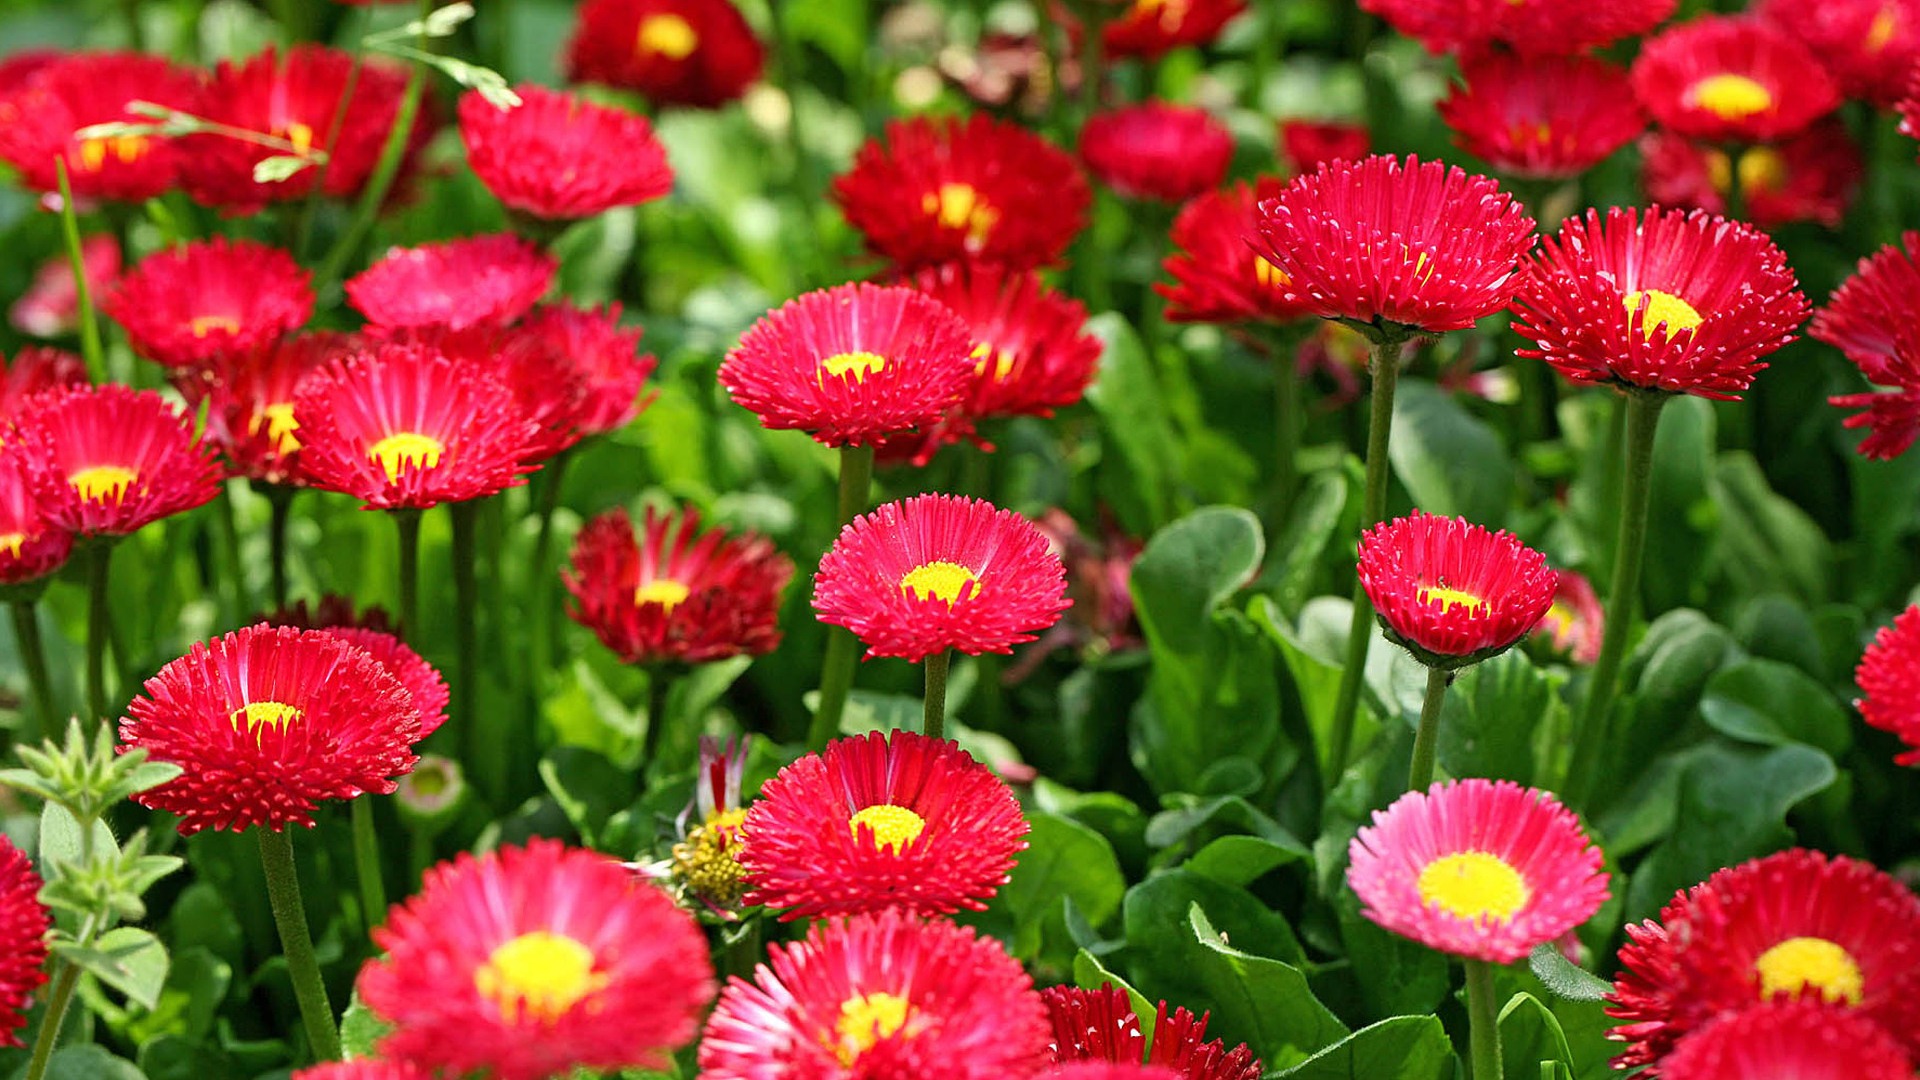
point(41, 119)
point(1810, 176)
point(1397, 247)
point(1668, 300)
point(1550, 119)
point(250, 403)
point(1534, 28)
point(1157, 151)
point(453, 284)
point(23, 944)
point(1870, 47)
point(1575, 621)
point(1889, 680)
point(1108, 1070)
point(36, 368)
point(1031, 352)
point(698, 53)
point(885, 995)
point(1869, 319)
point(1218, 276)
point(1450, 592)
point(109, 460)
point(530, 962)
point(559, 157)
point(208, 299)
point(606, 355)
point(50, 307)
point(1101, 1026)
point(370, 631)
point(1731, 79)
point(1306, 144)
point(1151, 28)
point(31, 546)
point(937, 572)
point(361, 1069)
point(1791, 1039)
point(1481, 869)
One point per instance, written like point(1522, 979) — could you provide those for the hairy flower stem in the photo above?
point(406, 522)
point(296, 943)
point(540, 579)
point(1483, 1015)
point(843, 649)
point(483, 749)
point(659, 691)
point(1426, 739)
point(33, 656)
point(933, 717)
point(56, 1013)
point(280, 503)
point(1384, 362)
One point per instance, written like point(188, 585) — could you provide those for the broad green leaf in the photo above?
point(1529, 1035)
point(1063, 859)
point(1310, 528)
point(1564, 977)
point(1160, 943)
point(127, 958)
point(1770, 703)
point(1768, 542)
point(1451, 462)
point(589, 788)
point(1260, 1001)
point(1396, 974)
point(1139, 484)
point(1683, 517)
point(60, 837)
point(89, 1063)
point(1397, 1048)
point(1241, 860)
point(1490, 716)
point(1090, 974)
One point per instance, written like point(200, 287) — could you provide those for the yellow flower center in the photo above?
point(1884, 25)
point(894, 827)
point(300, 135)
point(11, 544)
point(279, 421)
point(1171, 13)
point(667, 35)
point(537, 976)
point(865, 1019)
point(859, 365)
point(202, 325)
point(1800, 962)
point(666, 592)
point(1761, 169)
point(125, 149)
point(1449, 598)
point(102, 482)
point(986, 357)
point(708, 860)
point(959, 206)
point(406, 450)
point(1268, 275)
point(1530, 133)
point(1662, 307)
point(942, 579)
point(1474, 885)
point(1729, 96)
point(259, 714)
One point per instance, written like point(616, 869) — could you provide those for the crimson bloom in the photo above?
point(210, 298)
point(1575, 621)
point(268, 722)
point(1307, 144)
point(934, 191)
point(1795, 924)
point(1100, 1025)
point(51, 305)
point(250, 403)
point(39, 122)
point(1218, 276)
point(605, 356)
point(1417, 245)
point(700, 53)
point(1682, 302)
point(1535, 28)
point(371, 632)
point(31, 547)
point(1151, 28)
point(558, 156)
point(937, 572)
point(850, 364)
point(1870, 319)
point(676, 594)
point(108, 460)
point(1158, 151)
point(531, 962)
point(1868, 46)
point(23, 944)
point(36, 368)
point(404, 426)
point(1731, 79)
point(362, 1068)
point(1788, 1040)
point(1889, 679)
point(880, 822)
point(1810, 176)
point(1108, 1070)
point(1551, 118)
point(1482, 869)
point(453, 284)
point(1031, 351)
point(883, 995)
point(1450, 592)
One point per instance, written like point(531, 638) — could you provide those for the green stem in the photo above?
point(366, 863)
point(1090, 45)
point(1287, 426)
point(290, 917)
point(136, 35)
point(406, 521)
point(1384, 363)
point(484, 750)
point(659, 688)
point(227, 531)
point(1736, 192)
point(280, 501)
point(99, 616)
point(90, 346)
point(843, 649)
point(1426, 738)
point(541, 584)
point(33, 656)
point(933, 716)
point(57, 1001)
point(743, 952)
point(1643, 421)
point(1483, 1015)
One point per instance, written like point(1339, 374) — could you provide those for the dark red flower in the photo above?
point(1100, 1025)
point(1551, 118)
point(1534, 27)
point(1031, 353)
point(1870, 320)
point(1788, 1040)
point(1575, 621)
point(1889, 678)
point(31, 547)
point(210, 298)
point(676, 52)
point(51, 305)
point(1868, 46)
point(676, 594)
point(1218, 276)
point(605, 355)
point(39, 120)
point(23, 944)
point(559, 156)
point(1731, 79)
point(108, 460)
point(1307, 144)
point(362, 1068)
point(453, 284)
point(1157, 151)
point(36, 368)
point(250, 403)
point(934, 191)
point(1151, 28)
point(370, 631)
point(1452, 592)
point(1811, 176)
point(18, 68)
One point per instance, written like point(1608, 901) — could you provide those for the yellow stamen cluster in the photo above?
point(894, 827)
point(666, 35)
point(945, 580)
point(1729, 96)
point(126, 149)
point(866, 1019)
point(666, 592)
point(1449, 598)
point(102, 482)
point(708, 860)
point(1474, 885)
point(280, 423)
point(537, 977)
point(405, 450)
point(258, 714)
point(1797, 963)
point(960, 206)
point(855, 365)
point(1663, 307)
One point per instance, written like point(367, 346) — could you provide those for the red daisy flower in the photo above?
point(851, 363)
point(678, 595)
point(23, 945)
point(1676, 301)
point(881, 822)
point(362, 1068)
point(1551, 118)
point(250, 401)
point(1889, 678)
point(268, 721)
point(51, 305)
point(370, 632)
point(1793, 924)
point(1419, 245)
point(34, 369)
point(1729, 79)
point(883, 995)
point(1100, 1025)
point(108, 460)
point(1868, 46)
point(547, 391)
point(531, 962)
point(39, 120)
point(31, 547)
point(295, 97)
point(1031, 352)
point(1868, 318)
point(606, 356)
point(700, 53)
point(1218, 276)
point(1484, 869)
point(1788, 1040)
point(1575, 621)
point(403, 426)
point(1537, 27)
point(1157, 151)
point(1308, 144)
point(1108, 1070)
point(558, 156)
point(1152, 28)
point(1450, 592)
point(19, 68)
point(210, 298)
point(936, 191)
point(1811, 176)
point(938, 572)
point(453, 284)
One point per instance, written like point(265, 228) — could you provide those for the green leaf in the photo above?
point(1564, 977)
point(272, 170)
point(127, 958)
point(1490, 715)
point(1063, 859)
point(1451, 462)
point(360, 1029)
point(588, 787)
point(1241, 860)
point(1260, 1001)
point(1529, 1035)
point(1134, 421)
point(1772, 704)
point(1683, 517)
point(1090, 974)
point(60, 837)
point(1311, 525)
point(89, 1063)
point(1160, 944)
point(1397, 1048)
point(1768, 542)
